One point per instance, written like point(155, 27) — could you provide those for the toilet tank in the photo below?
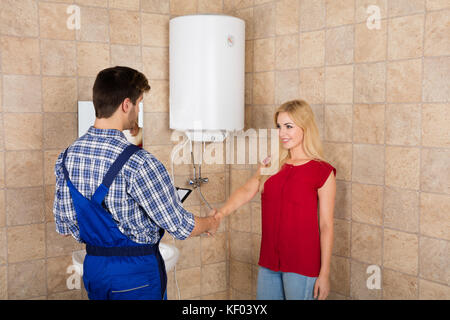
point(207, 75)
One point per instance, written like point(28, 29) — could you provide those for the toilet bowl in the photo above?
point(169, 253)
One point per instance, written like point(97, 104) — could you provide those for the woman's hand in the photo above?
point(220, 214)
point(135, 130)
point(262, 164)
point(322, 287)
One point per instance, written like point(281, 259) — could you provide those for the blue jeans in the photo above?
point(277, 285)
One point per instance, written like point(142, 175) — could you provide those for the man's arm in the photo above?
point(63, 210)
point(152, 188)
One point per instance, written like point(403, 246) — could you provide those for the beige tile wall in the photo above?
point(44, 69)
point(381, 99)
point(381, 102)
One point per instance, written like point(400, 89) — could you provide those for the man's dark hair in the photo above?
point(113, 85)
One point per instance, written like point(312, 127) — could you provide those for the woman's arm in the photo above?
point(243, 194)
point(326, 208)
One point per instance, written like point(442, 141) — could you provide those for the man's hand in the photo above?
point(215, 222)
point(208, 225)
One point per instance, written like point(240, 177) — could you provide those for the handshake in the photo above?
point(213, 221)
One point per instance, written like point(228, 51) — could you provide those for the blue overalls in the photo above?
point(115, 267)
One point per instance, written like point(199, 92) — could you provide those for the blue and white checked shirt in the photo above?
point(141, 199)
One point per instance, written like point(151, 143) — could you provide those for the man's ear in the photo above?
point(126, 105)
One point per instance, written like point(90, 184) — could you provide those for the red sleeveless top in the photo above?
point(290, 239)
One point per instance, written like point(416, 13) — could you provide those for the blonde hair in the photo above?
point(301, 113)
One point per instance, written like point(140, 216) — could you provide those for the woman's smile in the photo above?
point(290, 134)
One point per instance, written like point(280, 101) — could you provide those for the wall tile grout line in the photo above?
point(419, 210)
point(388, 19)
point(3, 173)
point(42, 148)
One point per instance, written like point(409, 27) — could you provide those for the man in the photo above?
point(118, 198)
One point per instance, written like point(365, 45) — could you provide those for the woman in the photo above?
point(296, 240)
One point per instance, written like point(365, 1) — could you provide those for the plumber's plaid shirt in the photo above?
point(141, 199)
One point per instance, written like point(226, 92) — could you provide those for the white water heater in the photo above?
point(207, 75)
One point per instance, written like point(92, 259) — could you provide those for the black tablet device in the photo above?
point(183, 193)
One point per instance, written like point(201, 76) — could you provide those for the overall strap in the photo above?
point(115, 168)
point(66, 173)
point(118, 164)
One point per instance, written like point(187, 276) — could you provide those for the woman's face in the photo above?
point(291, 135)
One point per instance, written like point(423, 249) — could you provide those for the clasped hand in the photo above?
point(215, 219)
